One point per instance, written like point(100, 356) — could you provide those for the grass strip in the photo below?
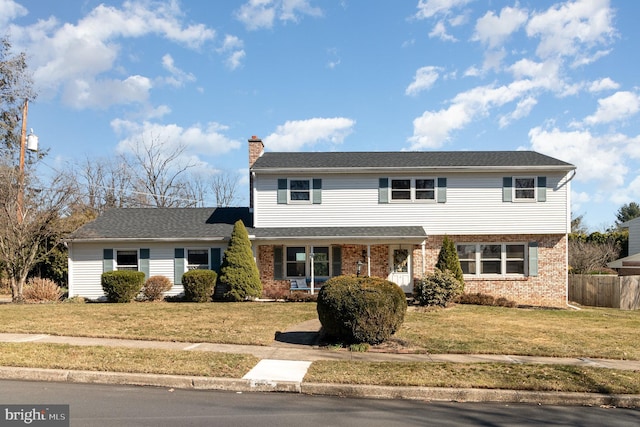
point(119, 359)
point(477, 375)
point(226, 323)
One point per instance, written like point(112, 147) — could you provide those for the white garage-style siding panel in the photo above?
point(85, 270)
point(473, 205)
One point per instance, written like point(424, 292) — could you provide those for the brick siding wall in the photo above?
point(549, 288)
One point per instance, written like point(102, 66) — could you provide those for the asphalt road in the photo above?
point(102, 405)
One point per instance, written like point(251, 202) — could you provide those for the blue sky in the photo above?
point(558, 77)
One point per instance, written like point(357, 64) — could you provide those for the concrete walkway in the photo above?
point(284, 364)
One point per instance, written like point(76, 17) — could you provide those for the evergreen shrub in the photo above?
point(437, 288)
point(360, 309)
point(239, 275)
point(199, 285)
point(122, 285)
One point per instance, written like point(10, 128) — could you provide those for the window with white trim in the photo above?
point(197, 259)
point(300, 190)
point(127, 259)
point(413, 189)
point(524, 188)
point(490, 259)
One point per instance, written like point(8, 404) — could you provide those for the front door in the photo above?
point(400, 262)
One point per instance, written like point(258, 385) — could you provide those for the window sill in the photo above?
point(496, 277)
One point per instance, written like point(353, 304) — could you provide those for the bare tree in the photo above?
point(15, 88)
point(585, 256)
point(24, 238)
point(161, 172)
point(105, 183)
point(225, 189)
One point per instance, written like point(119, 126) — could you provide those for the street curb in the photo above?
point(318, 389)
point(473, 395)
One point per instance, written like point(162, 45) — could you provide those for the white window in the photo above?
point(197, 259)
point(127, 259)
point(482, 259)
point(524, 188)
point(300, 190)
point(413, 189)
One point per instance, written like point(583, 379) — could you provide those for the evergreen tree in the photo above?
point(627, 212)
point(239, 276)
point(448, 259)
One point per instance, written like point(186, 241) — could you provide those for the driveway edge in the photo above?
point(318, 389)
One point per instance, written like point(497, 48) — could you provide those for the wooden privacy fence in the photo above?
point(605, 291)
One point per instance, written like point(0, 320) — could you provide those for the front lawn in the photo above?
point(591, 332)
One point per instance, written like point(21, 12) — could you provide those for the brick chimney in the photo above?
point(256, 148)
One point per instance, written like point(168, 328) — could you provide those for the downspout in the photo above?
point(369, 260)
point(566, 281)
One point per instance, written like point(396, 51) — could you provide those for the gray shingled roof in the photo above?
point(340, 232)
point(408, 159)
point(211, 223)
point(163, 223)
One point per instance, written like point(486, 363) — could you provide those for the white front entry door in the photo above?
point(400, 263)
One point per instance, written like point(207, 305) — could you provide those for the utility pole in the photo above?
point(23, 141)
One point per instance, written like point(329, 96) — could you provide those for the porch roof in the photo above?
point(341, 233)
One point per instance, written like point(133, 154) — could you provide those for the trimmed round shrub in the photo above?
point(198, 285)
point(360, 309)
point(155, 286)
point(437, 288)
point(41, 290)
point(122, 285)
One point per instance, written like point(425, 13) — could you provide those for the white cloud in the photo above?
point(572, 29)
point(433, 129)
point(232, 46)
point(10, 10)
point(599, 159)
point(197, 139)
point(440, 31)
point(430, 8)
point(294, 135)
point(493, 30)
point(425, 78)
point(523, 108)
point(259, 14)
point(603, 84)
point(81, 93)
point(77, 58)
point(178, 77)
point(616, 107)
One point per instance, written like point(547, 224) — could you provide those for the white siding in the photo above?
point(474, 206)
point(86, 264)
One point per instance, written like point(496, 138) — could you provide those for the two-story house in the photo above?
point(317, 215)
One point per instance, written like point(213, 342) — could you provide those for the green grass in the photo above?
point(591, 332)
point(477, 375)
point(467, 329)
point(119, 359)
point(227, 323)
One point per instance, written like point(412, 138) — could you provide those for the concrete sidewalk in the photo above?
point(284, 364)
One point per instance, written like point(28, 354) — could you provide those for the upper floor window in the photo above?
point(127, 259)
point(300, 190)
point(413, 189)
point(524, 188)
point(197, 259)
